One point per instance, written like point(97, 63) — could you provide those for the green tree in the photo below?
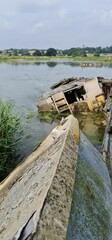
point(97, 54)
point(24, 52)
point(15, 52)
point(37, 53)
point(51, 52)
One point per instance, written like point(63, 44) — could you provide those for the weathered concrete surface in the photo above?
point(91, 212)
point(61, 97)
point(35, 199)
point(93, 90)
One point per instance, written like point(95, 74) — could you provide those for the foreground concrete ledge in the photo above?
point(35, 199)
point(91, 211)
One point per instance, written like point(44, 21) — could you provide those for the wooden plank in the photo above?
point(64, 81)
point(63, 108)
point(55, 105)
point(60, 103)
point(59, 100)
point(58, 96)
point(68, 105)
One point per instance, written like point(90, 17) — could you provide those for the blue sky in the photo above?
point(60, 24)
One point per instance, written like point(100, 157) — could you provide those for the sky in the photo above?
point(61, 24)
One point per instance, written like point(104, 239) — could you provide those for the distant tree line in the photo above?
point(27, 52)
point(87, 50)
point(77, 51)
point(48, 52)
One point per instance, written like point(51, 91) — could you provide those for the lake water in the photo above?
point(24, 82)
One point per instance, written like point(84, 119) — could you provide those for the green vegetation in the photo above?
point(78, 59)
point(37, 53)
point(87, 50)
point(77, 54)
point(51, 52)
point(48, 116)
point(77, 51)
point(101, 59)
point(10, 135)
point(26, 58)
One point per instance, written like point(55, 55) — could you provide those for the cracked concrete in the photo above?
point(42, 183)
point(35, 200)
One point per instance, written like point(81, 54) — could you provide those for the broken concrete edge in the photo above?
point(48, 213)
point(91, 212)
point(54, 217)
point(106, 149)
point(63, 143)
point(69, 124)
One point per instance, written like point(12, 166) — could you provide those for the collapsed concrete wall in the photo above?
point(94, 94)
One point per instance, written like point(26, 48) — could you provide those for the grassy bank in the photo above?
point(102, 59)
point(28, 58)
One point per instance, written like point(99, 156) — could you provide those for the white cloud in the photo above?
point(19, 2)
point(54, 20)
point(26, 6)
point(47, 2)
point(63, 13)
point(4, 23)
point(106, 16)
point(34, 2)
point(37, 26)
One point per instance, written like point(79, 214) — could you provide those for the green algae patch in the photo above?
point(91, 211)
point(94, 139)
point(91, 124)
point(48, 116)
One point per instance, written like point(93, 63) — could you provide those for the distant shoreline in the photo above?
point(101, 59)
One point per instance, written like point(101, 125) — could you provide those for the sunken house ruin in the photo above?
point(76, 93)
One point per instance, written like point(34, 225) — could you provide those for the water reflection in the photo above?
point(51, 64)
point(72, 63)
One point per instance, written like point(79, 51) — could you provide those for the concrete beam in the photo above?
point(91, 212)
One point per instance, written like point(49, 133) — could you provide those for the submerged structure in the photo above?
point(76, 94)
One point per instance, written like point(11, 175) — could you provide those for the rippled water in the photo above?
point(24, 82)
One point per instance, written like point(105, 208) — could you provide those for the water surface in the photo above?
point(24, 83)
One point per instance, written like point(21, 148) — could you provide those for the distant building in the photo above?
point(31, 52)
point(106, 55)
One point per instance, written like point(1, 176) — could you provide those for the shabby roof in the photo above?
point(68, 84)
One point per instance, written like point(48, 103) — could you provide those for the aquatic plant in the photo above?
point(11, 132)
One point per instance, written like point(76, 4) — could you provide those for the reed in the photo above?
point(10, 134)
